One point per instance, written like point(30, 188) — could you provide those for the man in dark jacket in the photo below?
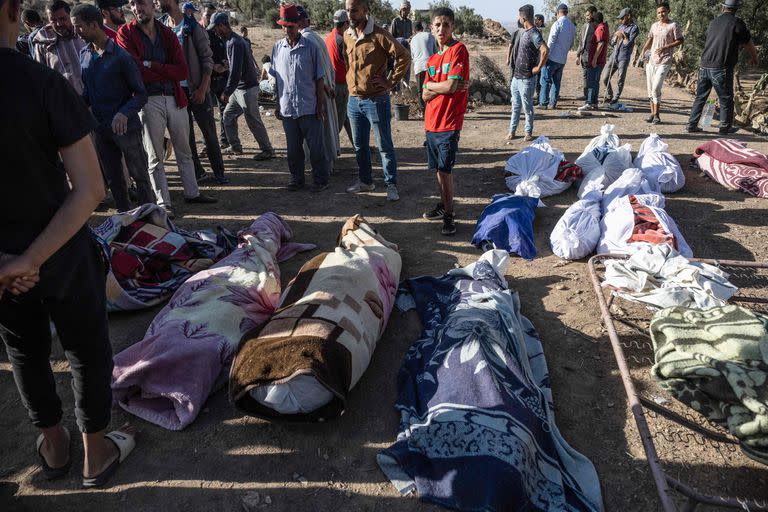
point(157, 52)
point(726, 34)
point(197, 50)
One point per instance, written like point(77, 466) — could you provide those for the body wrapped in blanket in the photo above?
point(166, 377)
point(302, 364)
point(477, 427)
point(150, 257)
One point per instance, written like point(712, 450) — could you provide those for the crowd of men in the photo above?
point(536, 63)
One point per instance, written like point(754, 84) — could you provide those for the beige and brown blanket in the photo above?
point(302, 364)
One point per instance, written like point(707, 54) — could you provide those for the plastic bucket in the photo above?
point(401, 112)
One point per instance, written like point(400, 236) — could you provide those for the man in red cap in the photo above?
point(300, 89)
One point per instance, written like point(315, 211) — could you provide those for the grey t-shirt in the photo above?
point(423, 46)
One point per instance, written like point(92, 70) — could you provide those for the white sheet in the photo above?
point(658, 164)
point(302, 394)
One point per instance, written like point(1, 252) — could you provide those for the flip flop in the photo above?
point(49, 472)
point(125, 444)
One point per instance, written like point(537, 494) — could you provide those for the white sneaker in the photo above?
point(392, 194)
point(359, 186)
point(586, 107)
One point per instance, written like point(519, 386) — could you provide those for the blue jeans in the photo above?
point(722, 80)
point(551, 75)
point(364, 113)
point(522, 96)
point(593, 84)
point(310, 129)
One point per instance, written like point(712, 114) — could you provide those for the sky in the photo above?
point(486, 8)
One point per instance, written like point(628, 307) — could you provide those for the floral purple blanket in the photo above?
point(185, 355)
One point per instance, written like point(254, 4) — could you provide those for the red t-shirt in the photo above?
point(445, 113)
point(601, 36)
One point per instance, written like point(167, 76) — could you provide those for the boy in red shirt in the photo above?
point(598, 50)
point(445, 91)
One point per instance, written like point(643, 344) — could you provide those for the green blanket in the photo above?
point(716, 362)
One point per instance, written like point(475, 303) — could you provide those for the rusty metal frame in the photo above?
point(664, 482)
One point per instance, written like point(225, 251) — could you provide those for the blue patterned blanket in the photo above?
point(477, 428)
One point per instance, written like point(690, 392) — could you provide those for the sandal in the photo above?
point(125, 444)
point(49, 472)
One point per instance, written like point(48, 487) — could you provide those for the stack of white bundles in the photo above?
point(658, 164)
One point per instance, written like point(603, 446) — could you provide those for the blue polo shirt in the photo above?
point(296, 70)
point(111, 84)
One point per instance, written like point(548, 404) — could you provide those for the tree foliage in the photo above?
point(693, 16)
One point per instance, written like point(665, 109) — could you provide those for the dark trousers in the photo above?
point(217, 88)
point(72, 294)
point(585, 77)
point(297, 131)
point(112, 148)
point(420, 81)
point(722, 81)
point(203, 115)
point(593, 84)
point(619, 67)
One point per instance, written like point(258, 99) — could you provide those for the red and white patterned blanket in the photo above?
point(735, 166)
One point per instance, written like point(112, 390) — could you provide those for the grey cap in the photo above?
point(627, 12)
point(562, 8)
point(731, 4)
point(340, 16)
point(220, 18)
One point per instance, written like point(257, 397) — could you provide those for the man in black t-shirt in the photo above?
point(725, 35)
point(50, 266)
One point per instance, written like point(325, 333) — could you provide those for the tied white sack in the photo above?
point(659, 276)
point(618, 224)
point(658, 164)
point(577, 232)
point(632, 181)
point(603, 160)
point(533, 170)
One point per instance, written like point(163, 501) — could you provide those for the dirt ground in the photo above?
point(222, 456)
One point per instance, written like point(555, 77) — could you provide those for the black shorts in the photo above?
point(441, 150)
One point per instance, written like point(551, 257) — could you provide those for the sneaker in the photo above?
point(649, 119)
point(511, 136)
point(392, 194)
point(693, 129)
point(449, 226)
point(230, 150)
point(552, 107)
point(614, 101)
point(264, 155)
point(656, 120)
point(318, 187)
point(435, 213)
point(223, 180)
point(728, 131)
point(205, 178)
point(487, 245)
point(201, 199)
point(528, 137)
point(293, 186)
point(359, 186)
point(585, 107)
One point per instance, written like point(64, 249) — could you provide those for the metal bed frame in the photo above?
point(669, 431)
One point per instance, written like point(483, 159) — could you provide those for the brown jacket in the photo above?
point(368, 57)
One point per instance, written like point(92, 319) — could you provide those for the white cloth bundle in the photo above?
point(603, 160)
point(577, 232)
point(632, 181)
point(533, 170)
point(658, 275)
point(618, 225)
point(658, 164)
